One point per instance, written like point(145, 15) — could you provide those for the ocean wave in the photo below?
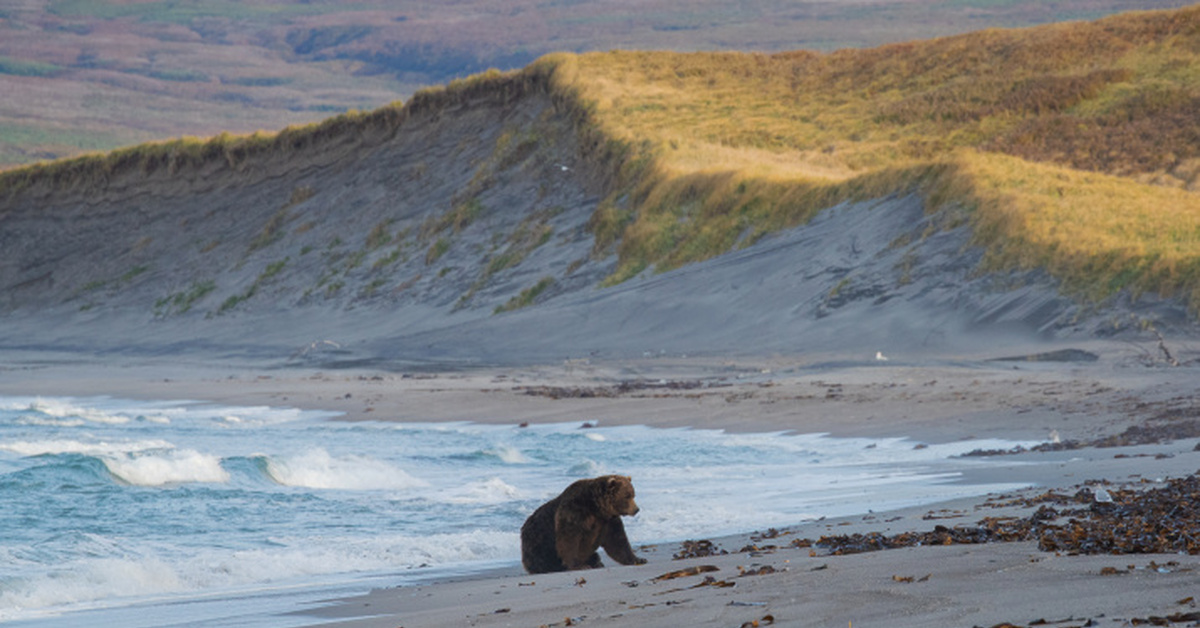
point(586, 469)
point(490, 491)
point(88, 581)
point(69, 446)
point(141, 571)
point(165, 467)
point(316, 468)
point(507, 454)
point(65, 410)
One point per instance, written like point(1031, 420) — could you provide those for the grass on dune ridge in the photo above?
point(1074, 147)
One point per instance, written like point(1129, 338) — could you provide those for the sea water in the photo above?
point(124, 513)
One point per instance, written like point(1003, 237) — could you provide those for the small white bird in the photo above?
point(879, 356)
point(1103, 496)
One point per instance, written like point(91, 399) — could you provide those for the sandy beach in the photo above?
point(932, 247)
point(1113, 394)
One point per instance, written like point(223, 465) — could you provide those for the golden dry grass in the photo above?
point(1077, 145)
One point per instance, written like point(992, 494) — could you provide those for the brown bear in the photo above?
point(565, 532)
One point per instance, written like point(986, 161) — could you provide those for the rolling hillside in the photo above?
point(925, 196)
point(94, 75)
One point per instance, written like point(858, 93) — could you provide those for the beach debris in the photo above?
point(618, 389)
point(911, 579)
point(1162, 346)
point(756, 550)
point(771, 533)
point(1060, 355)
point(761, 571)
point(580, 582)
point(698, 549)
point(944, 513)
point(766, 620)
point(1164, 520)
point(1166, 620)
point(1047, 622)
point(711, 581)
point(1175, 419)
point(683, 573)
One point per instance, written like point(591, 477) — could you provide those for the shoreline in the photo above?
point(762, 574)
point(932, 402)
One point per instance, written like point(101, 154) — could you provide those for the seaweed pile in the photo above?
point(615, 390)
point(698, 549)
point(1158, 520)
point(1163, 430)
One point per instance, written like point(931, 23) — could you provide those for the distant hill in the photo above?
point(86, 76)
point(925, 196)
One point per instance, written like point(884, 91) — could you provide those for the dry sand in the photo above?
point(956, 585)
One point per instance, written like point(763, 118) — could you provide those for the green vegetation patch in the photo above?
point(455, 220)
point(182, 302)
point(436, 251)
point(269, 272)
point(527, 297)
point(19, 67)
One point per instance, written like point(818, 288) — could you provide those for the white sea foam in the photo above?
point(100, 448)
point(86, 581)
point(102, 578)
point(586, 469)
point(490, 491)
point(316, 468)
point(169, 467)
point(67, 409)
point(508, 454)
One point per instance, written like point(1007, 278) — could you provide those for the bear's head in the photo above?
point(617, 497)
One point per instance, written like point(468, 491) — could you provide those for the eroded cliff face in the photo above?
point(457, 213)
point(461, 235)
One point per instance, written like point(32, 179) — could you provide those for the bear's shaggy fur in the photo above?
point(565, 532)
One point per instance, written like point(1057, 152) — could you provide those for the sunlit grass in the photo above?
point(1075, 145)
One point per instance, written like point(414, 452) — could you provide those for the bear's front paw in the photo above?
point(639, 561)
